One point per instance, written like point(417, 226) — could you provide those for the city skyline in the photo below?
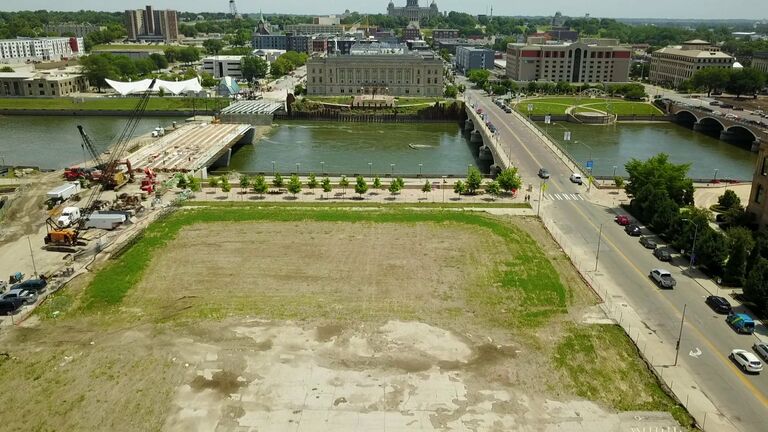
point(706, 9)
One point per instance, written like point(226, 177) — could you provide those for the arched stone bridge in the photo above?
point(735, 131)
point(490, 145)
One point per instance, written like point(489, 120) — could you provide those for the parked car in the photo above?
point(736, 108)
point(740, 322)
point(36, 285)
point(647, 242)
point(633, 230)
point(718, 304)
point(715, 103)
point(746, 361)
point(28, 297)
point(761, 348)
point(729, 106)
point(622, 220)
point(10, 306)
point(662, 254)
point(662, 278)
point(543, 173)
point(576, 178)
point(507, 109)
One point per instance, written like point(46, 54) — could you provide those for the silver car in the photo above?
point(747, 361)
point(761, 348)
point(28, 297)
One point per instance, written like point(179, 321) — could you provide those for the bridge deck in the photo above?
point(500, 157)
point(189, 148)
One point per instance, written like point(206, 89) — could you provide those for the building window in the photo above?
point(764, 169)
point(759, 194)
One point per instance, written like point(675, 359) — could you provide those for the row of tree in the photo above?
point(735, 81)
point(662, 198)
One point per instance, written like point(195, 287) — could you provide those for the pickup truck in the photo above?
point(663, 278)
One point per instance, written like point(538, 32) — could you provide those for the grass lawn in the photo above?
point(559, 105)
point(131, 47)
point(117, 104)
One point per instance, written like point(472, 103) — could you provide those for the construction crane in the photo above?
point(233, 10)
point(117, 179)
point(66, 239)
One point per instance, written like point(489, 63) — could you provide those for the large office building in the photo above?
point(412, 32)
point(224, 66)
point(469, 58)
point(152, 25)
point(760, 61)
point(412, 10)
point(585, 61)
point(312, 29)
point(438, 34)
point(758, 201)
point(41, 84)
point(78, 30)
point(23, 50)
point(674, 64)
point(383, 70)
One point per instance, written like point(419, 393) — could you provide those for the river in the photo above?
point(54, 142)
point(347, 148)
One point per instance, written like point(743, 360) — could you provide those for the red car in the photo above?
point(622, 220)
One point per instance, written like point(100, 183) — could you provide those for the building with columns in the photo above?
point(413, 11)
point(387, 71)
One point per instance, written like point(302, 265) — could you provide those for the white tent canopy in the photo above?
point(174, 87)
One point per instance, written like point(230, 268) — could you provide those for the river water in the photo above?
point(347, 148)
point(54, 142)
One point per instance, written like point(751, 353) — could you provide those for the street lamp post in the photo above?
point(370, 170)
point(273, 168)
point(469, 167)
point(298, 165)
point(714, 179)
point(322, 167)
point(420, 166)
point(445, 181)
point(680, 335)
point(693, 246)
point(392, 169)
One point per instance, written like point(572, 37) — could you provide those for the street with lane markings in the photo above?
point(623, 267)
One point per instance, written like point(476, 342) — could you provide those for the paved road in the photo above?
point(743, 399)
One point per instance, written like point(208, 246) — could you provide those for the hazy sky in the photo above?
point(750, 9)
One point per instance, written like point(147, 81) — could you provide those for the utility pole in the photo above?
point(599, 238)
point(680, 335)
point(34, 266)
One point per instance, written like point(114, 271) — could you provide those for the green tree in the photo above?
point(427, 188)
point(659, 173)
point(254, 67)
point(172, 54)
point(711, 250)
point(182, 181)
point(711, 79)
point(740, 244)
point(618, 181)
point(509, 180)
point(6, 69)
point(259, 185)
point(666, 214)
point(492, 188)
point(294, 185)
point(461, 88)
point(213, 46)
point(241, 38)
point(729, 200)
point(280, 67)
point(450, 91)
point(377, 183)
point(361, 186)
point(756, 286)
point(244, 182)
point(474, 180)
point(97, 68)
point(188, 55)
point(312, 182)
point(459, 188)
point(745, 81)
point(159, 61)
point(225, 186)
point(277, 181)
point(479, 77)
point(344, 183)
point(327, 186)
point(195, 184)
point(213, 182)
point(400, 182)
point(394, 187)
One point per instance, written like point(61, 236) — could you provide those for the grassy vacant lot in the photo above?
point(559, 105)
point(198, 305)
point(113, 104)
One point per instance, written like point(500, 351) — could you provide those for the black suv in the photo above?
point(10, 306)
point(662, 254)
point(719, 304)
point(633, 230)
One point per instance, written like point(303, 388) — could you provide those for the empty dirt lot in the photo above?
point(323, 325)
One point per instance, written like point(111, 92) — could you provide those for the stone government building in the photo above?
point(413, 11)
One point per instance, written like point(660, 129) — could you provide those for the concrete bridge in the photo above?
point(732, 130)
point(490, 143)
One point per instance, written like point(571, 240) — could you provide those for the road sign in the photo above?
point(530, 107)
point(590, 164)
point(544, 186)
point(567, 136)
point(548, 119)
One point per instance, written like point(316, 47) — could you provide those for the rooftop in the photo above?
point(224, 58)
point(693, 53)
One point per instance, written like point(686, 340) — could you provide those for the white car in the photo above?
point(761, 348)
point(747, 361)
point(576, 178)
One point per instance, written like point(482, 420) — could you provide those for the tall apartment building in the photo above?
point(152, 25)
point(760, 61)
point(370, 71)
point(469, 58)
point(40, 49)
point(586, 61)
point(674, 64)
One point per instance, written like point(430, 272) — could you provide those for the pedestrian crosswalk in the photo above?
point(564, 197)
